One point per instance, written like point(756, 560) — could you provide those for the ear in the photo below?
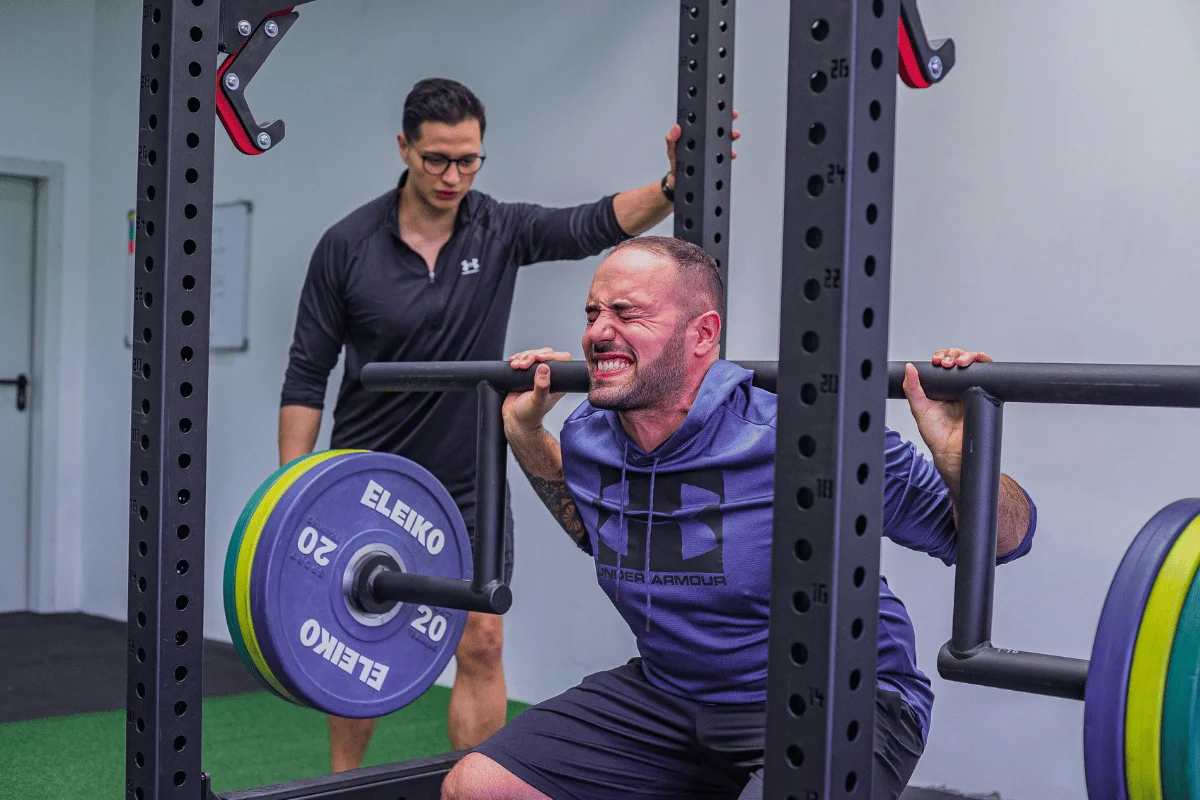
point(403, 143)
point(708, 333)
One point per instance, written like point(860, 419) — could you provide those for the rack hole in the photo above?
point(691, 91)
point(179, 778)
point(181, 638)
point(872, 214)
point(140, 760)
point(140, 725)
point(816, 133)
point(145, 406)
point(181, 602)
point(141, 617)
point(141, 690)
point(180, 673)
point(799, 654)
point(154, 86)
point(851, 782)
point(721, 77)
point(720, 158)
point(813, 237)
point(866, 369)
point(191, 175)
point(180, 742)
point(818, 81)
point(864, 472)
point(689, 170)
point(855, 679)
point(142, 549)
point(691, 144)
point(141, 655)
point(190, 211)
point(692, 64)
point(852, 730)
point(197, 34)
point(145, 442)
point(153, 121)
point(189, 282)
point(186, 354)
point(147, 335)
point(808, 446)
point(185, 389)
point(797, 705)
point(184, 497)
point(185, 461)
point(188, 318)
point(720, 185)
point(873, 162)
point(868, 317)
point(694, 38)
point(691, 117)
point(157, 16)
point(812, 289)
point(189, 246)
point(720, 52)
point(180, 708)
point(145, 480)
point(820, 30)
point(720, 132)
point(801, 601)
point(816, 185)
point(151, 157)
point(720, 105)
point(795, 755)
point(185, 425)
point(182, 567)
point(154, 51)
point(194, 69)
point(860, 575)
point(877, 58)
point(803, 549)
point(860, 525)
point(804, 498)
point(689, 224)
point(144, 514)
point(149, 262)
point(810, 341)
point(148, 300)
point(856, 628)
point(722, 25)
point(193, 104)
point(869, 266)
point(146, 372)
point(808, 394)
point(876, 109)
point(183, 532)
point(864, 422)
point(716, 238)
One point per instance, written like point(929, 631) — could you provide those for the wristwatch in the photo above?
point(666, 188)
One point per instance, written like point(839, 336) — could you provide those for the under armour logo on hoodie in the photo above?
point(678, 543)
point(470, 267)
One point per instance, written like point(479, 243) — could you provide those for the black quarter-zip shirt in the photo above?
point(369, 292)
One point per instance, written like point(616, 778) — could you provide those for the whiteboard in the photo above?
point(230, 277)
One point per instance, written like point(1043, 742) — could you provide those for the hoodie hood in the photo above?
point(720, 383)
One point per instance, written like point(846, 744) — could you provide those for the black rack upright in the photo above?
point(170, 399)
point(832, 385)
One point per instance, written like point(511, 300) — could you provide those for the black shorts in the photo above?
point(466, 506)
point(616, 736)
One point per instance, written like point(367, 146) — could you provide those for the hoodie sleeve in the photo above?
point(917, 510)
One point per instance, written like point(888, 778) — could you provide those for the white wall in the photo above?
point(1044, 203)
point(47, 100)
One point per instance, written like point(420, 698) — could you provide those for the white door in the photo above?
point(17, 211)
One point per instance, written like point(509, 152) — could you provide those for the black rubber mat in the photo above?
point(53, 665)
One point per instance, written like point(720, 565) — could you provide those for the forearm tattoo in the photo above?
point(553, 492)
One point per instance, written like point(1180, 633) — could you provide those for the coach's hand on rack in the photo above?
point(524, 411)
point(673, 137)
point(940, 423)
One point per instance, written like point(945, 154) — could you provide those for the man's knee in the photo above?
point(474, 777)
point(482, 645)
point(346, 727)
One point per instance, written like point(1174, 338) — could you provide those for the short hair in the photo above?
point(440, 100)
point(696, 267)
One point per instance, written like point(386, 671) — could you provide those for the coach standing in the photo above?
point(426, 272)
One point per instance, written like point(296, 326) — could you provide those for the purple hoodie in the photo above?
point(682, 539)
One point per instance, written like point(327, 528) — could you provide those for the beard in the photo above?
point(652, 382)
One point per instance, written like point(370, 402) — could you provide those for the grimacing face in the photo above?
point(443, 192)
point(636, 337)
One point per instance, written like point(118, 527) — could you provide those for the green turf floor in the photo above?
point(249, 740)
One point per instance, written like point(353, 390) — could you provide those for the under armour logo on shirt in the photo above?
point(470, 267)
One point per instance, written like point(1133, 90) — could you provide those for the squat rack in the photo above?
point(836, 266)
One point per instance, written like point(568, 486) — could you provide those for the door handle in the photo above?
point(22, 384)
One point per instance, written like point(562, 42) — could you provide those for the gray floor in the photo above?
point(934, 794)
point(52, 665)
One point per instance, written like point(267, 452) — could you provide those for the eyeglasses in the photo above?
point(437, 163)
